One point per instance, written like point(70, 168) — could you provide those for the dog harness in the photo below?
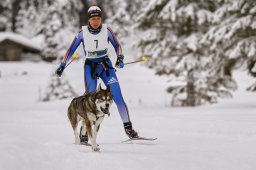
point(94, 66)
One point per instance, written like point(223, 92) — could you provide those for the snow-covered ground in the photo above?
point(38, 136)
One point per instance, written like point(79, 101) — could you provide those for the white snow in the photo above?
point(203, 16)
point(192, 42)
point(169, 10)
point(35, 135)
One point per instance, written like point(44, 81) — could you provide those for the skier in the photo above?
point(95, 38)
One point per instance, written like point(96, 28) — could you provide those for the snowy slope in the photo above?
point(35, 135)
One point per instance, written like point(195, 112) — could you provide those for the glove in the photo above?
point(120, 61)
point(59, 71)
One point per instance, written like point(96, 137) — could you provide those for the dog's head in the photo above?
point(103, 100)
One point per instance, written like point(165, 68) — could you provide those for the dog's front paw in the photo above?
point(96, 149)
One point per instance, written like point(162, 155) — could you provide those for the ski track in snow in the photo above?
point(35, 135)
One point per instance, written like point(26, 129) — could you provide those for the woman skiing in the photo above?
point(95, 38)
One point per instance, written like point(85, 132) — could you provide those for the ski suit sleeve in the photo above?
point(113, 39)
point(76, 42)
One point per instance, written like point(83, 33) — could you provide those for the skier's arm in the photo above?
point(76, 42)
point(113, 39)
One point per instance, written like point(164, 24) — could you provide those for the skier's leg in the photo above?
point(115, 89)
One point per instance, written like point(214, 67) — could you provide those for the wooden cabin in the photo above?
point(13, 45)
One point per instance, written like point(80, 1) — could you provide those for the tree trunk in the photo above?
point(191, 96)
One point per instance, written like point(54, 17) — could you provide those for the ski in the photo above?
point(139, 138)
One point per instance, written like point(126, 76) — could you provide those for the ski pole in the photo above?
point(142, 58)
point(75, 56)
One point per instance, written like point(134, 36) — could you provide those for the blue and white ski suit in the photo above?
point(100, 66)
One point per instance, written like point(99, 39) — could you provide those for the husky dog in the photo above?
point(90, 109)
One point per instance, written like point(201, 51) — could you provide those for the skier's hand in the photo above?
point(59, 71)
point(120, 61)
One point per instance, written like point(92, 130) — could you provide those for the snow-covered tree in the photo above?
point(233, 33)
point(172, 32)
point(27, 20)
point(52, 27)
point(58, 88)
point(6, 16)
point(60, 26)
point(118, 16)
point(57, 21)
point(121, 14)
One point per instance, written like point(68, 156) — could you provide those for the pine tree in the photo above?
point(60, 26)
point(58, 88)
point(3, 18)
point(6, 16)
point(19, 24)
point(118, 16)
point(56, 21)
point(172, 32)
point(52, 27)
point(233, 34)
point(122, 14)
point(27, 19)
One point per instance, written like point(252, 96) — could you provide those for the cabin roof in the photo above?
point(20, 39)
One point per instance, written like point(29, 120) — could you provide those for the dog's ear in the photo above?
point(94, 96)
point(99, 88)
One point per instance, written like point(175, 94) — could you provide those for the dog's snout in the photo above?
point(107, 105)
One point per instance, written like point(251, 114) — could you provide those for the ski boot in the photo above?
point(130, 132)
